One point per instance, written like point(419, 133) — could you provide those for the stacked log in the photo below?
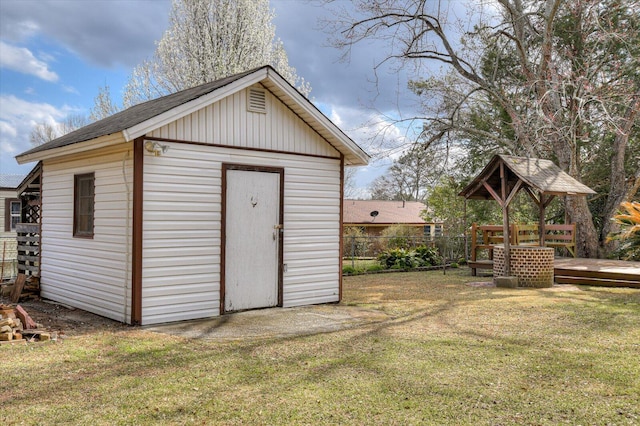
point(16, 326)
point(22, 288)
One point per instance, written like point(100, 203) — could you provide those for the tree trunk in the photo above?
point(586, 234)
point(576, 207)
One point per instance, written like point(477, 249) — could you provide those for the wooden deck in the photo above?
point(567, 270)
point(613, 273)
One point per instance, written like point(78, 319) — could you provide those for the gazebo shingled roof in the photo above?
point(542, 175)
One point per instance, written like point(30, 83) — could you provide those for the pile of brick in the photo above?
point(16, 326)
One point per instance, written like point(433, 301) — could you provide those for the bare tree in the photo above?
point(42, 132)
point(557, 76)
point(46, 131)
point(411, 176)
point(208, 40)
point(103, 105)
point(350, 190)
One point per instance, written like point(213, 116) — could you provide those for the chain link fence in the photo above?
point(360, 249)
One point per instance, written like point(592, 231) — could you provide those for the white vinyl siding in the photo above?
point(227, 122)
point(90, 274)
point(182, 229)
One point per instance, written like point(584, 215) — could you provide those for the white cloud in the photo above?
point(8, 130)
point(382, 137)
point(105, 32)
point(21, 59)
point(17, 118)
point(19, 30)
point(379, 135)
point(70, 89)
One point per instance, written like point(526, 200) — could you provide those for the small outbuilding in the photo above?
point(219, 198)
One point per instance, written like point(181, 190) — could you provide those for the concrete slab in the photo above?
point(273, 322)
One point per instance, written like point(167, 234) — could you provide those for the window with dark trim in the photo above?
point(12, 207)
point(83, 203)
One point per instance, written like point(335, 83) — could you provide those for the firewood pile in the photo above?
point(16, 326)
point(22, 288)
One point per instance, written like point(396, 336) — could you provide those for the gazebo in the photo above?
point(504, 176)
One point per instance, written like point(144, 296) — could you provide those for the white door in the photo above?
point(251, 239)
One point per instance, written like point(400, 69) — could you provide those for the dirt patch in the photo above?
point(65, 321)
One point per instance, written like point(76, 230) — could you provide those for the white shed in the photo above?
point(219, 198)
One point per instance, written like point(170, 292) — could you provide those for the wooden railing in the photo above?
point(485, 237)
point(561, 236)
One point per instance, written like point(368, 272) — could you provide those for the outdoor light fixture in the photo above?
point(156, 148)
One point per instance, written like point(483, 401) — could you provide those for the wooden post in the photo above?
point(541, 220)
point(505, 221)
point(474, 240)
point(544, 203)
point(466, 236)
point(4, 250)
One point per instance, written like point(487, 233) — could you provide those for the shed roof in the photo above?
point(539, 174)
point(10, 181)
point(137, 120)
point(389, 212)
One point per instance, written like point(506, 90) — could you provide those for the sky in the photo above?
point(56, 54)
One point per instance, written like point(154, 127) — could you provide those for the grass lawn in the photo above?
point(359, 265)
point(449, 354)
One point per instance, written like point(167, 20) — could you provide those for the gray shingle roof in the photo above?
point(136, 114)
point(539, 174)
point(10, 181)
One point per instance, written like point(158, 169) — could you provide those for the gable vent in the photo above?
point(256, 100)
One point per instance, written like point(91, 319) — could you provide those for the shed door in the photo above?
point(252, 234)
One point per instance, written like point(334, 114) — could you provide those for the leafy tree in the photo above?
point(544, 78)
point(445, 205)
point(208, 40)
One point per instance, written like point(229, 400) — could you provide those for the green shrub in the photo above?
point(454, 265)
point(375, 268)
point(397, 259)
point(349, 270)
point(629, 234)
point(427, 256)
